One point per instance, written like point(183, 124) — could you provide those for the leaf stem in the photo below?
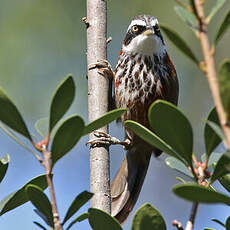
point(47, 164)
point(210, 72)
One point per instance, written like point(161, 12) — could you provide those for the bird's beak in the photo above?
point(148, 32)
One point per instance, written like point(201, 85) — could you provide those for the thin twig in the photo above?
point(189, 8)
point(210, 72)
point(190, 223)
point(177, 224)
point(46, 163)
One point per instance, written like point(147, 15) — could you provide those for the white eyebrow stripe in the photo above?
point(137, 22)
point(154, 22)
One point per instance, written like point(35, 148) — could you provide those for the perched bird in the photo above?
point(143, 74)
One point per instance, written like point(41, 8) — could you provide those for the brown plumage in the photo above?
point(144, 73)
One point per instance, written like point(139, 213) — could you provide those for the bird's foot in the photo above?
point(104, 68)
point(105, 139)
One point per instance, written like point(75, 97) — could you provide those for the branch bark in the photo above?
point(210, 70)
point(46, 163)
point(98, 102)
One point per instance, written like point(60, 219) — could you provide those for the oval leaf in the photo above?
point(212, 159)
point(179, 43)
point(216, 7)
point(227, 223)
point(39, 225)
point(78, 219)
point(223, 28)
point(77, 203)
point(99, 220)
point(11, 116)
point(187, 17)
point(66, 137)
point(151, 138)
point(197, 193)
point(104, 120)
point(212, 140)
point(40, 201)
point(148, 218)
point(4, 162)
point(171, 125)
point(219, 222)
point(19, 197)
point(62, 100)
point(41, 126)
point(173, 163)
point(222, 167)
point(225, 182)
point(224, 83)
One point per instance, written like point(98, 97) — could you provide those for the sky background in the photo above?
point(43, 41)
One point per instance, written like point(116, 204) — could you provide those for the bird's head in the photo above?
point(144, 37)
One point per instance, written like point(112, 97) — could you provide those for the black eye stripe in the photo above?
point(140, 29)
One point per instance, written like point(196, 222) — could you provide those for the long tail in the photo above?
point(127, 184)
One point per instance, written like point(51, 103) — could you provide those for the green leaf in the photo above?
point(151, 138)
point(198, 193)
point(222, 167)
point(217, 129)
point(10, 115)
point(78, 219)
point(212, 159)
point(216, 7)
point(171, 125)
point(148, 218)
point(42, 216)
point(77, 203)
point(66, 137)
point(175, 38)
point(227, 223)
point(187, 17)
point(41, 126)
point(173, 163)
point(104, 120)
point(17, 140)
point(224, 83)
point(219, 222)
point(100, 220)
point(212, 140)
point(39, 225)
point(223, 28)
point(4, 162)
point(19, 197)
point(209, 229)
point(61, 101)
point(180, 179)
point(225, 182)
point(40, 201)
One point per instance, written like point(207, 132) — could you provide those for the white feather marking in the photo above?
point(145, 45)
point(136, 22)
point(154, 22)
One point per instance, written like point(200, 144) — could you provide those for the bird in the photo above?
point(144, 73)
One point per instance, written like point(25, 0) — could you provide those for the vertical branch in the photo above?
point(98, 102)
point(210, 70)
point(46, 163)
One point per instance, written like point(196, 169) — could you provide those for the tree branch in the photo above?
point(210, 70)
point(190, 223)
point(98, 102)
point(46, 163)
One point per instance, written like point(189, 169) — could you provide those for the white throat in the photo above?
point(145, 45)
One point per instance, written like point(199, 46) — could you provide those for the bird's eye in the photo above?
point(135, 29)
